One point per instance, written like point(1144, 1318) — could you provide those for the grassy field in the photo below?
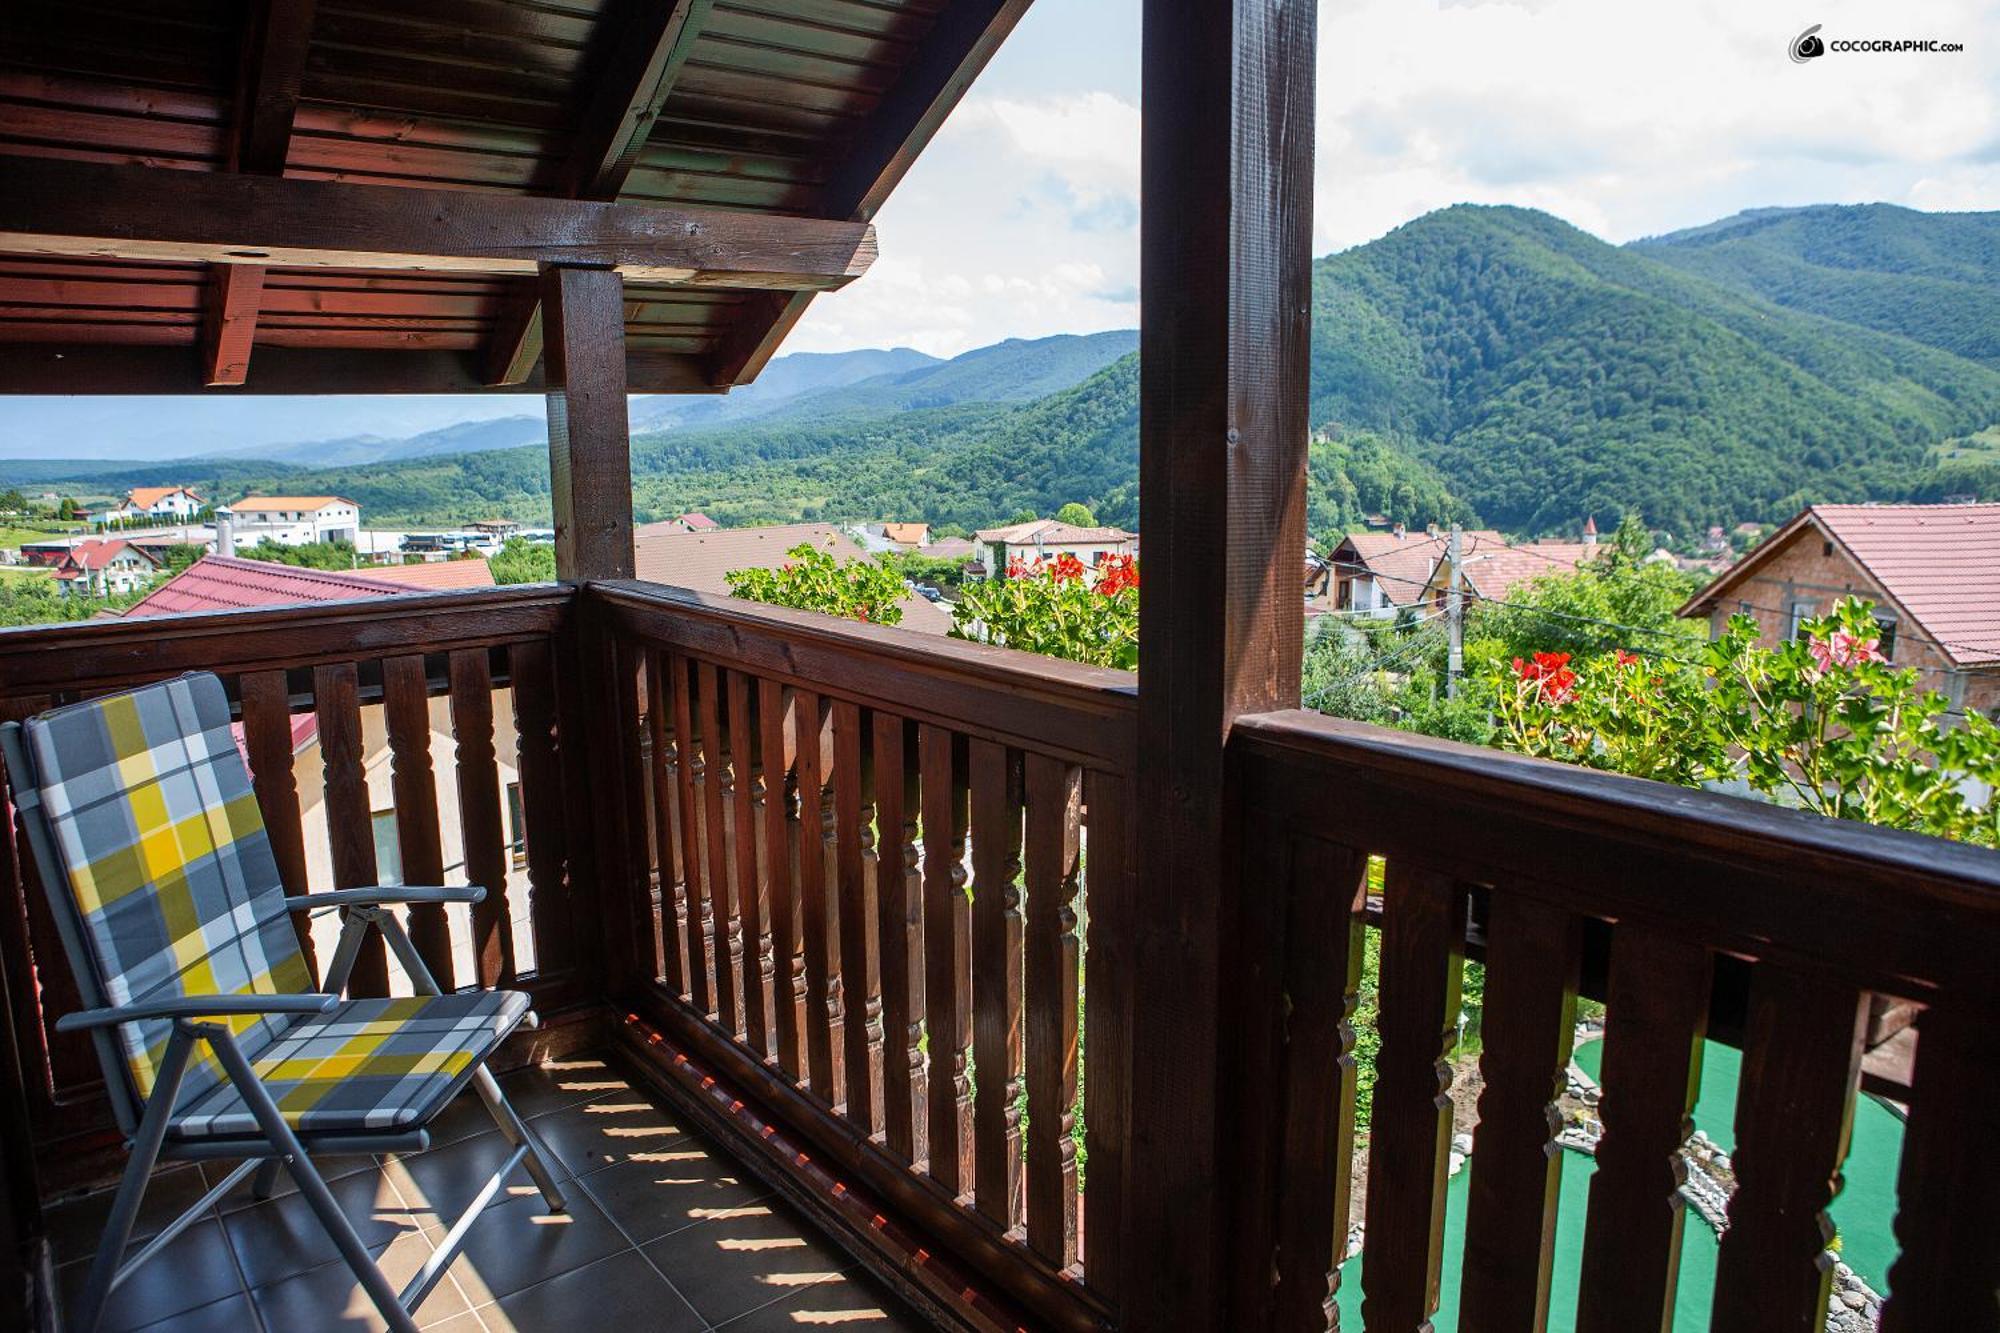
point(1983, 447)
point(13, 536)
point(18, 574)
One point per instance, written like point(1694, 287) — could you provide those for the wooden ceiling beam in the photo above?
point(272, 66)
point(953, 53)
point(654, 44)
point(109, 368)
point(54, 207)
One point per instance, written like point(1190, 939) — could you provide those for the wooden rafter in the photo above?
point(653, 47)
point(965, 38)
point(267, 102)
point(76, 209)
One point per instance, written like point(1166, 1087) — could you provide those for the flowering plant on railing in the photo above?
point(812, 579)
point(1822, 722)
point(1057, 607)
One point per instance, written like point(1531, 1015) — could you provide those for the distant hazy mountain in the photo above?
point(786, 378)
point(1933, 277)
point(466, 437)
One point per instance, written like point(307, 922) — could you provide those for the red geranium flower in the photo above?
point(1066, 569)
point(1116, 574)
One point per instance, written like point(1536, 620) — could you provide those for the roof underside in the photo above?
point(793, 108)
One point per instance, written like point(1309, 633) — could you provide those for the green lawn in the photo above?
point(21, 573)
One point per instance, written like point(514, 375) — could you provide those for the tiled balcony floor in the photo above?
point(662, 1233)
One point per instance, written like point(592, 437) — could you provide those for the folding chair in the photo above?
point(164, 889)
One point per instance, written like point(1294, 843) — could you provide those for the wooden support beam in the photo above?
point(955, 50)
point(272, 64)
point(234, 293)
point(590, 455)
point(108, 368)
point(53, 207)
point(1226, 230)
point(654, 45)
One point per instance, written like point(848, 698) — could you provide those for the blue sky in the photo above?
point(1022, 218)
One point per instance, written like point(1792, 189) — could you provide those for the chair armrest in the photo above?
point(197, 1006)
point(386, 893)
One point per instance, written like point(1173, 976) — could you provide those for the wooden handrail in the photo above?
point(1884, 909)
point(1062, 708)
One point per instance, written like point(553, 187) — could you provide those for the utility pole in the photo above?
point(1454, 615)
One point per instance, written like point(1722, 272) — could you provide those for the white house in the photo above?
point(104, 568)
point(168, 504)
point(1045, 539)
point(293, 520)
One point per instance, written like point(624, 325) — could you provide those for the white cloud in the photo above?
point(1022, 217)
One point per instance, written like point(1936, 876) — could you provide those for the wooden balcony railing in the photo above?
point(873, 853)
point(373, 676)
point(874, 893)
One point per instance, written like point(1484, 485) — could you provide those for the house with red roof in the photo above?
point(104, 568)
point(696, 521)
point(1933, 572)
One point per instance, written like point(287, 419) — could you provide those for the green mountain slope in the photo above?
point(1551, 376)
point(1931, 277)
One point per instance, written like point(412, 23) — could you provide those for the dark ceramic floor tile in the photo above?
point(622, 1292)
point(560, 1083)
point(282, 1237)
point(75, 1225)
point(747, 1258)
point(330, 1168)
point(442, 1183)
point(657, 1192)
point(844, 1303)
point(195, 1269)
point(612, 1129)
point(233, 1314)
point(330, 1299)
point(516, 1244)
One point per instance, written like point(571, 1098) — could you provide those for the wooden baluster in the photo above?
point(716, 795)
point(947, 955)
point(780, 842)
point(820, 1075)
point(1109, 895)
point(540, 763)
point(349, 828)
point(687, 778)
point(1423, 953)
point(829, 848)
point(996, 981)
point(667, 833)
point(480, 821)
point(870, 981)
point(267, 736)
point(406, 713)
point(899, 901)
point(751, 941)
point(1794, 1114)
point(1948, 1273)
point(1656, 1014)
point(856, 910)
point(1528, 1026)
point(1051, 960)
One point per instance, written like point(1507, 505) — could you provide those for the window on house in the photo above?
point(388, 849)
point(517, 826)
point(1887, 647)
point(1796, 615)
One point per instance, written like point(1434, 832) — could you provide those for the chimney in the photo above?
point(225, 537)
point(1399, 532)
point(1590, 531)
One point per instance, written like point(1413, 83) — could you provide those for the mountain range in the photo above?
point(1478, 361)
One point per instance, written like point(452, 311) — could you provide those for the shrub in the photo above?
point(1057, 608)
point(814, 580)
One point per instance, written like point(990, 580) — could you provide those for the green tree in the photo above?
point(520, 561)
point(1077, 514)
point(13, 502)
point(1619, 600)
point(1023, 516)
point(66, 510)
point(813, 579)
point(311, 555)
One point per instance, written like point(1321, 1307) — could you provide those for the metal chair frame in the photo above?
point(145, 1121)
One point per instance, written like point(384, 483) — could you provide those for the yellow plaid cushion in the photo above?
point(369, 1066)
point(168, 863)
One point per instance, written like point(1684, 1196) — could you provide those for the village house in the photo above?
point(1933, 572)
point(1045, 539)
point(105, 568)
point(1492, 568)
point(293, 520)
point(1379, 572)
point(167, 504)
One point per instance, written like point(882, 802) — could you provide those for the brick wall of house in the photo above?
point(1810, 569)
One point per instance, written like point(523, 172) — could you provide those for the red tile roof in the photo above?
point(1493, 568)
point(96, 553)
point(696, 521)
point(228, 583)
point(1939, 563)
point(431, 574)
point(1400, 562)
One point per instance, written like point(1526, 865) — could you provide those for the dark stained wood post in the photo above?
point(1227, 155)
point(590, 451)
